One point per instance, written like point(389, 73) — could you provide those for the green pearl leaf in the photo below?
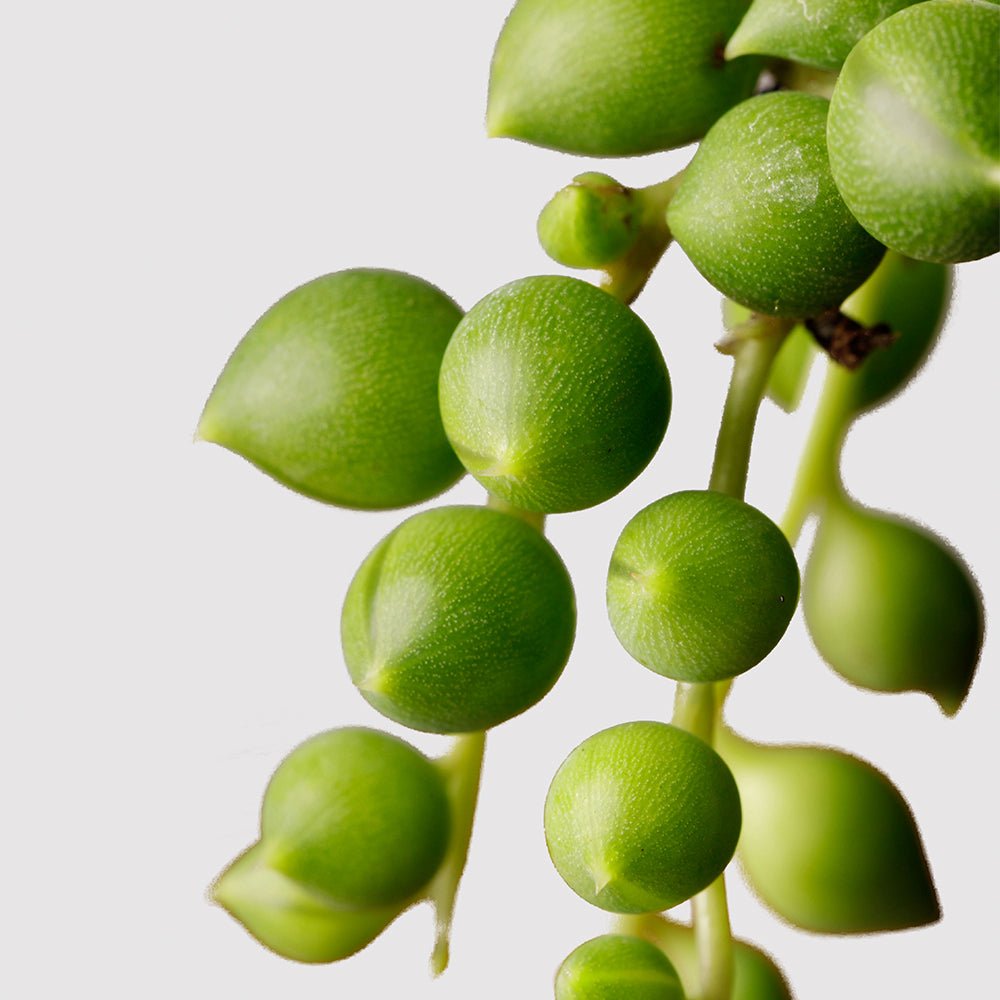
point(759, 215)
point(891, 607)
point(460, 619)
point(617, 967)
point(828, 842)
point(641, 817)
point(815, 32)
point(615, 77)
point(914, 131)
point(292, 920)
point(358, 816)
point(333, 392)
point(701, 586)
point(554, 395)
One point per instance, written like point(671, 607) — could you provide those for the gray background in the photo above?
point(171, 615)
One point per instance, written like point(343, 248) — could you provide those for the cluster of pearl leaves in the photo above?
point(672, 315)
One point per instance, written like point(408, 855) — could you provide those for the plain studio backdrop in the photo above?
point(171, 614)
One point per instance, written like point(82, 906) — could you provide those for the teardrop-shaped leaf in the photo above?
point(828, 842)
point(285, 916)
point(891, 607)
point(333, 392)
point(615, 77)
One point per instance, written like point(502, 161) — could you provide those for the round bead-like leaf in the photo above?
point(815, 32)
point(333, 392)
point(759, 215)
point(615, 77)
point(828, 842)
point(554, 394)
point(291, 919)
point(617, 967)
point(914, 131)
point(460, 619)
point(891, 607)
point(357, 816)
point(701, 586)
point(640, 817)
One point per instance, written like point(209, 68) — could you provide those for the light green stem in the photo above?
point(710, 916)
point(462, 768)
point(695, 710)
point(626, 278)
point(817, 480)
point(753, 348)
point(697, 706)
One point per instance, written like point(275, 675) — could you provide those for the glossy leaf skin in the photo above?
point(615, 77)
point(828, 842)
point(914, 131)
point(356, 815)
point(891, 607)
point(291, 919)
point(641, 817)
point(617, 967)
point(815, 32)
point(554, 395)
point(333, 392)
point(759, 215)
point(755, 975)
point(460, 619)
point(911, 297)
point(701, 586)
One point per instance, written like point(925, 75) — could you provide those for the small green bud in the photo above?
point(759, 215)
point(333, 392)
point(891, 607)
point(815, 33)
point(641, 817)
point(755, 976)
point(589, 223)
point(460, 619)
point(554, 394)
point(617, 967)
point(914, 131)
point(357, 816)
point(701, 586)
point(911, 298)
point(828, 842)
point(615, 77)
point(291, 919)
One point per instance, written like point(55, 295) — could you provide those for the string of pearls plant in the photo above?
point(847, 158)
